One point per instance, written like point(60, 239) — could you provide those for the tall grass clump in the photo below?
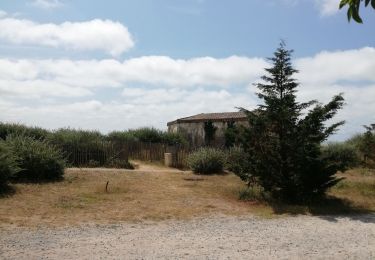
point(8, 166)
point(342, 155)
point(7, 129)
point(38, 160)
point(206, 160)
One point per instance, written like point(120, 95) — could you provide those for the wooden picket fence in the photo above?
point(101, 153)
point(154, 152)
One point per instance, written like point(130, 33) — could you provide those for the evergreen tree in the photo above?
point(283, 145)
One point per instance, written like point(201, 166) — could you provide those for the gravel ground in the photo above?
point(301, 237)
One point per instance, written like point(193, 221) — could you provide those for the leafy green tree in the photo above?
point(353, 8)
point(283, 145)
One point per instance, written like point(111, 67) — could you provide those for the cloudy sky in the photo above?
point(110, 65)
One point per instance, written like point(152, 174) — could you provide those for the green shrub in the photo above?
point(121, 137)
point(173, 138)
point(235, 159)
point(119, 163)
point(146, 135)
point(39, 161)
point(355, 140)
point(7, 129)
point(72, 141)
point(238, 162)
point(254, 193)
point(82, 138)
point(367, 145)
point(8, 165)
point(342, 155)
point(206, 160)
point(93, 164)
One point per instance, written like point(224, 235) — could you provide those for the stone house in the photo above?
point(197, 128)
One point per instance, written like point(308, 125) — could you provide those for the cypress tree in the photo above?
point(282, 143)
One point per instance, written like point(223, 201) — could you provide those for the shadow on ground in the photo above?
point(330, 209)
point(7, 191)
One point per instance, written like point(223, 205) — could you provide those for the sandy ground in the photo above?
point(222, 237)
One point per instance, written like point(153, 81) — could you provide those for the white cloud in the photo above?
point(153, 90)
point(40, 88)
point(125, 113)
point(47, 4)
point(106, 35)
point(332, 67)
point(328, 7)
point(152, 70)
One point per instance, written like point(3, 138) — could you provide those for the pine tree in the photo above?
point(283, 145)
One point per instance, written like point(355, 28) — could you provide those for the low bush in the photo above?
point(254, 193)
point(8, 166)
point(206, 161)
point(93, 164)
point(236, 160)
point(39, 161)
point(173, 138)
point(119, 163)
point(343, 155)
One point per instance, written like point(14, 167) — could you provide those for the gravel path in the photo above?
point(301, 237)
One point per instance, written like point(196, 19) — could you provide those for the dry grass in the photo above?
point(131, 196)
point(354, 195)
point(155, 193)
point(358, 188)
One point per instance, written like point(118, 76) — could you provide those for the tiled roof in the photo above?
point(225, 116)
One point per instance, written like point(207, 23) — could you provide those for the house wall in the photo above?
point(195, 133)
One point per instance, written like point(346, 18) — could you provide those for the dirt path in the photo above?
point(139, 167)
point(301, 237)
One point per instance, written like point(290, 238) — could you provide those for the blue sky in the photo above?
point(122, 64)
